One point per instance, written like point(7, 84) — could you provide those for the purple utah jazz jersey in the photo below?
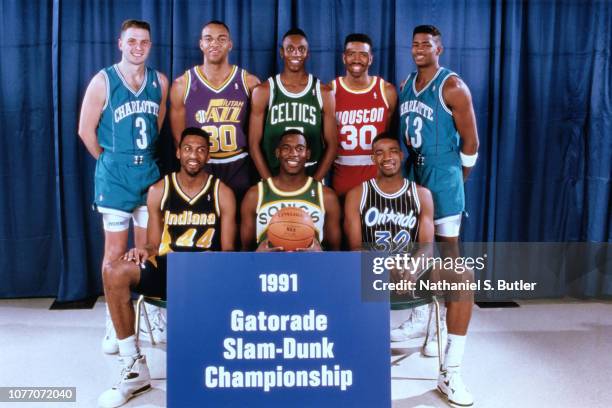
point(221, 111)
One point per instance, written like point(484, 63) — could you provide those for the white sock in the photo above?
point(127, 346)
point(454, 350)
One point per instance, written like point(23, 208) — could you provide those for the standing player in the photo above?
point(291, 187)
point(294, 99)
point(439, 126)
point(215, 97)
point(123, 110)
point(188, 211)
point(364, 108)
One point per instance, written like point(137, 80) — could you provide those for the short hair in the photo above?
point(427, 29)
point(194, 131)
point(131, 23)
point(295, 31)
point(358, 37)
point(217, 22)
point(385, 136)
point(293, 132)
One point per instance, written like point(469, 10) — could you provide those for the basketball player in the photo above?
point(364, 108)
point(439, 127)
point(215, 97)
point(291, 187)
point(209, 208)
point(123, 110)
point(293, 99)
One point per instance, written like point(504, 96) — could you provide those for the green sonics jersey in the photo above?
point(309, 198)
point(129, 118)
point(288, 110)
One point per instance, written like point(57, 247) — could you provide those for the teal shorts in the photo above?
point(443, 176)
point(121, 181)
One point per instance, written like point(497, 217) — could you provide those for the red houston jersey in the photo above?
point(360, 116)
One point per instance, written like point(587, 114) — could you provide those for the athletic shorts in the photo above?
point(443, 176)
point(347, 177)
point(153, 277)
point(237, 175)
point(121, 181)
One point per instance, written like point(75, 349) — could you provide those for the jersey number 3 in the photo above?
point(142, 141)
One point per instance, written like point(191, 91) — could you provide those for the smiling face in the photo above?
point(193, 154)
point(357, 58)
point(292, 153)
point(426, 50)
point(215, 43)
point(135, 45)
point(294, 52)
point(387, 155)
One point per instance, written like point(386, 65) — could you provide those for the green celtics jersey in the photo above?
point(287, 110)
point(309, 198)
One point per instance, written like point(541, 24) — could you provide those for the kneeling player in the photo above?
point(188, 211)
point(290, 188)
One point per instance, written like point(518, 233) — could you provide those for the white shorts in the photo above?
point(448, 226)
point(116, 220)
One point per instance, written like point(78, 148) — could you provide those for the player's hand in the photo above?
point(398, 275)
point(264, 246)
point(314, 247)
point(136, 255)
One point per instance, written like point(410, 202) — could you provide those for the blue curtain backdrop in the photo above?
point(540, 74)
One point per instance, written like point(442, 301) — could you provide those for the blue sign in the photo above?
point(274, 330)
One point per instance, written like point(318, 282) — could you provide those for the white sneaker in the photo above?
point(109, 342)
point(135, 380)
point(430, 348)
point(451, 385)
point(415, 326)
point(158, 324)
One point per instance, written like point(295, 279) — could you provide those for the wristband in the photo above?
point(468, 160)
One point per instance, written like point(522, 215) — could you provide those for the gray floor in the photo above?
point(543, 354)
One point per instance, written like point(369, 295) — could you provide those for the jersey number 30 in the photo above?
point(363, 139)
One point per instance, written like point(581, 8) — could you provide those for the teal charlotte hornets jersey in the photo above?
point(127, 133)
point(129, 118)
point(428, 127)
point(426, 122)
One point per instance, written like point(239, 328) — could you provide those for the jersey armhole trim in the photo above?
point(318, 92)
point(364, 194)
point(165, 193)
point(216, 194)
point(334, 85)
point(107, 81)
point(416, 197)
point(382, 92)
point(271, 96)
point(440, 89)
point(260, 194)
point(187, 76)
point(321, 198)
point(244, 83)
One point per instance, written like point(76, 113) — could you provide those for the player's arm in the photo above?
point(426, 222)
point(227, 208)
point(164, 100)
point(352, 218)
point(259, 102)
point(458, 98)
point(330, 135)
point(251, 82)
point(247, 219)
point(91, 111)
point(331, 226)
point(391, 97)
point(177, 108)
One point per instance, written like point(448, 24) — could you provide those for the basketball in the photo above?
point(291, 228)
